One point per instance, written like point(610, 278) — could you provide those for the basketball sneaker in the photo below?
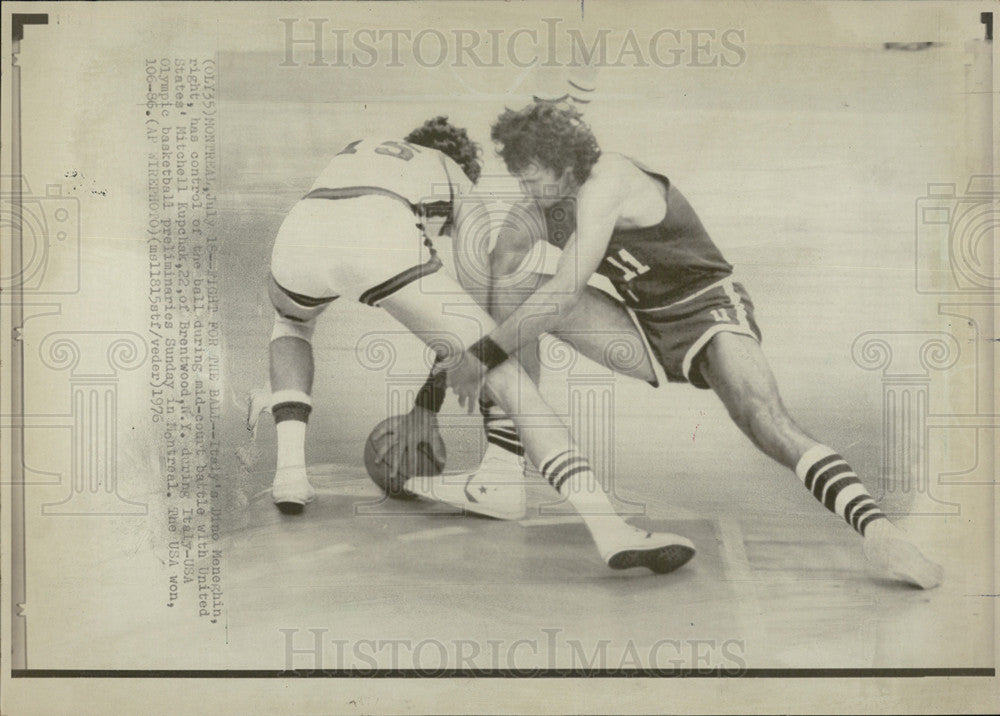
point(496, 489)
point(892, 553)
point(660, 552)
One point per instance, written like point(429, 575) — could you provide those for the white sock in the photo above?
point(291, 444)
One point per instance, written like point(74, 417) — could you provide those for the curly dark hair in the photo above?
point(553, 136)
point(440, 134)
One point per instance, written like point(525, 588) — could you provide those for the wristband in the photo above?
point(487, 352)
point(431, 395)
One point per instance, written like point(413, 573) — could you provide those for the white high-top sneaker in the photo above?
point(661, 552)
point(495, 489)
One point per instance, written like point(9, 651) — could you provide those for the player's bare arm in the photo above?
point(515, 239)
point(469, 246)
point(599, 203)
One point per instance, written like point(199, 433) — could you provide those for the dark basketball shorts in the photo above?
point(676, 334)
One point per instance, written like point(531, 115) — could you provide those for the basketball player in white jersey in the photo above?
point(365, 233)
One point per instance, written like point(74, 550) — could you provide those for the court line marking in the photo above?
point(432, 534)
point(736, 566)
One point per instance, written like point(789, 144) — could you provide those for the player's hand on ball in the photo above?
point(466, 379)
point(399, 437)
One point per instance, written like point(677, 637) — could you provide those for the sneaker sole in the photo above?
point(660, 560)
point(291, 505)
point(290, 508)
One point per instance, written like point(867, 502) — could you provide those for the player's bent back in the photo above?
point(360, 231)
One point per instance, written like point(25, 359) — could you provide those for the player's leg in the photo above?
point(291, 375)
point(315, 259)
point(503, 459)
point(598, 327)
point(549, 445)
point(736, 369)
point(424, 309)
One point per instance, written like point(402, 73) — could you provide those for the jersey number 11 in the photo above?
point(628, 264)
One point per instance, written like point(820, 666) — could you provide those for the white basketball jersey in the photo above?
point(416, 173)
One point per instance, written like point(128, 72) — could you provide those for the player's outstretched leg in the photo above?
point(736, 369)
point(422, 309)
point(548, 444)
point(291, 368)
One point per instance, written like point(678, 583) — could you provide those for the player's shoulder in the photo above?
point(368, 141)
point(612, 164)
point(610, 177)
point(613, 168)
point(456, 176)
point(453, 168)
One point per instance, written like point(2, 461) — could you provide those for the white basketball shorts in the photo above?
point(361, 248)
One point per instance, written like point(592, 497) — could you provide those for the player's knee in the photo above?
point(289, 326)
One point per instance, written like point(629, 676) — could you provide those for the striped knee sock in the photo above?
point(832, 481)
point(500, 429)
point(570, 474)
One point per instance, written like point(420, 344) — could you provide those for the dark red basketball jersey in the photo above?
point(655, 265)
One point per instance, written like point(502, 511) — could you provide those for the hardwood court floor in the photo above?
point(765, 590)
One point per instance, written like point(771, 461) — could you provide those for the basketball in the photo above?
point(428, 463)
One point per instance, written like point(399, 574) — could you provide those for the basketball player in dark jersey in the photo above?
point(611, 216)
point(359, 235)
